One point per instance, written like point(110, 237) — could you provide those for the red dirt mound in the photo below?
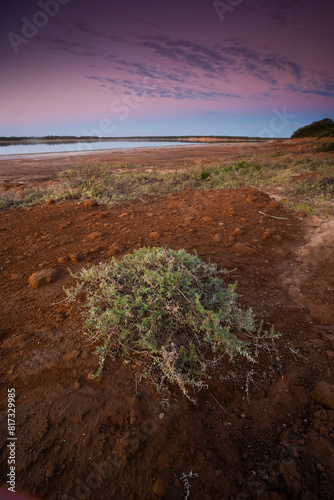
point(265, 433)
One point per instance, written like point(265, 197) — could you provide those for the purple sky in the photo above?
point(122, 68)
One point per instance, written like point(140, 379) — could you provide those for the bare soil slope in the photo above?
point(261, 434)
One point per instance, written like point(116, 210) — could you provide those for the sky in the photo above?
point(184, 67)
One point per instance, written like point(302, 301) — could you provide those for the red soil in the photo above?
point(79, 438)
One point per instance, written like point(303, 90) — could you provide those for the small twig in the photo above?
point(186, 484)
point(273, 216)
point(60, 302)
point(295, 352)
point(218, 402)
point(172, 472)
point(192, 307)
point(136, 385)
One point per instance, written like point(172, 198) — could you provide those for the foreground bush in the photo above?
point(167, 307)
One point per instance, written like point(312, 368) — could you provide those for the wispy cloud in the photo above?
point(223, 58)
point(85, 28)
point(162, 89)
point(212, 67)
point(283, 13)
point(301, 90)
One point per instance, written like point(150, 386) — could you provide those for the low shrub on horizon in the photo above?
point(321, 128)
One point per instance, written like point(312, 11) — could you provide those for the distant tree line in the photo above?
point(322, 128)
point(48, 138)
point(65, 138)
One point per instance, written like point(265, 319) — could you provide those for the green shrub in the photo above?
point(322, 128)
point(170, 309)
point(239, 165)
point(29, 196)
point(326, 146)
point(7, 200)
point(251, 166)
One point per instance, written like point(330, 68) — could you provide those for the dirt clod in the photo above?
point(44, 277)
point(17, 342)
point(90, 203)
point(63, 260)
point(154, 235)
point(218, 238)
point(115, 249)
point(324, 394)
point(159, 488)
point(136, 417)
point(245, 249)
point(75, 257)
point(96, 235)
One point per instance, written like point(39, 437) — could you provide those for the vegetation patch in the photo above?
point(322, 128)
point(109, 184)
point(325, 147)
point(171, 310)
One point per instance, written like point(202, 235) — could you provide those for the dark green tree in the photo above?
point(322, 128)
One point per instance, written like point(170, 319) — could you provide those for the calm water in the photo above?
point(59, 147)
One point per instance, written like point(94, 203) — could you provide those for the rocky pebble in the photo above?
point(115, 249)
point(16, 342)
point(324, 394)
point(237, 232)
point(291, 478)
point(159, 488)
point(95, 235)
point(63, 260)
point(136, 417)
point(90, 203)
point(275, 205)
point(43, 277)
point(218, 238)
point(75, 257)
point(245, 249)
point(154, 235)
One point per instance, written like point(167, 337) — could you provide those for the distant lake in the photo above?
point(59, 147)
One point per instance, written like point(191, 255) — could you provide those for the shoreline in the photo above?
point(35, 167)
point(182, 140)
point(40, 167)
point(110, 150)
